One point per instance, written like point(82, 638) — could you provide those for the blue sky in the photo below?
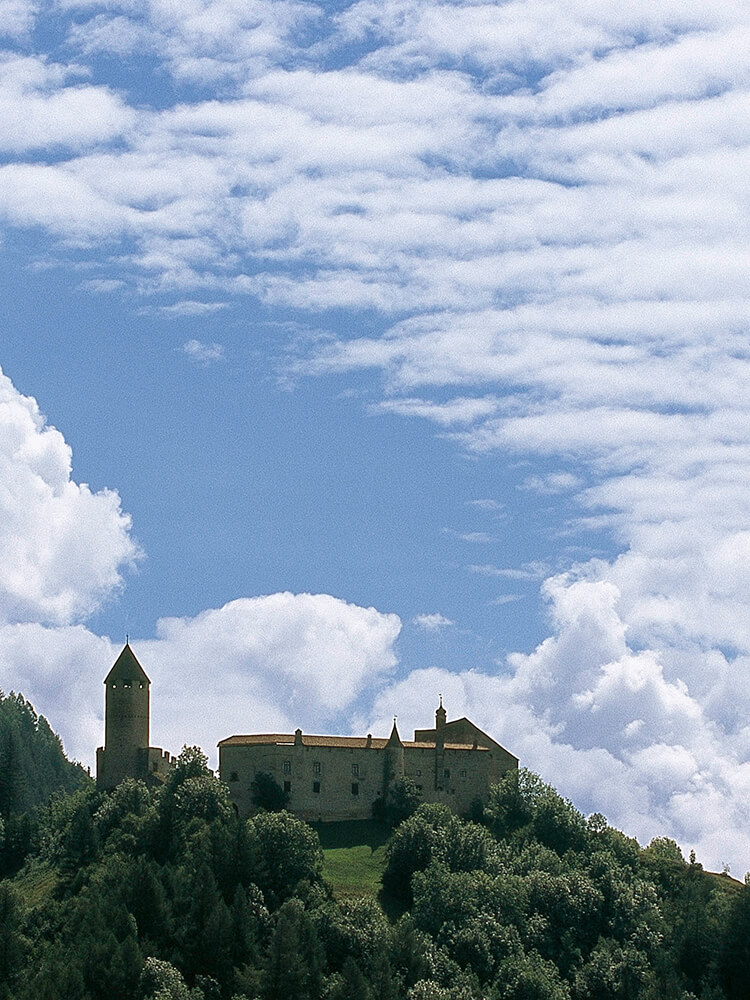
point(358, 352)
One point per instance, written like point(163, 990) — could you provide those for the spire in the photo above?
point(127, 667)
point(394, 740)
point(440, 715)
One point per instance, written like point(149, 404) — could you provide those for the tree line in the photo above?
point(140, 894)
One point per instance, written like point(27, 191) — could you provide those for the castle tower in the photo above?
point(126, 731)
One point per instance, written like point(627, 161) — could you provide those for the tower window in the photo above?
point(287, 767)
point(463, 774)
point(316, 767)
point(316, 787)
point(355, 788)
point(355, 771)
point(447, 773)
point(418, 773)
point(287, 786)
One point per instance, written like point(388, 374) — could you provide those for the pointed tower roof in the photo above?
point(126, 667)
point(394, 740)
point(440, 715)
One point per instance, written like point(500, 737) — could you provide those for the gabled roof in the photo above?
point(126, 668)
point(348, 742)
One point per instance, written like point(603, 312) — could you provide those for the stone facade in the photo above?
point(327, 777)
point(126, 752)
point(340, 777)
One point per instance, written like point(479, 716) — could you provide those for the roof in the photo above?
point(126, 667)
point(346, 742)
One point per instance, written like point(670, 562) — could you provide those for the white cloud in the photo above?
point(40, 107)
point(604, 724)
point(432, 622)
point(262, 664)
point(63, 548)
point(473, 537)
point(485, 504)
point(203, 354)
point(16, 17)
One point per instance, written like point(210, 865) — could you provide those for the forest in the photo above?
point(165, 894)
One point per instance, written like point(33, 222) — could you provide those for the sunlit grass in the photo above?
point(354, 856)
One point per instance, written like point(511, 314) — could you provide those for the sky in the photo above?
point(355, 353)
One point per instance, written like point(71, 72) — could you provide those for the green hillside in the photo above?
point(353, 856)
point(166, 894)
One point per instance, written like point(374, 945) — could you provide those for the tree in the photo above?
point(12, 943)
point(267, 793)
point(401, 801)
point(161, 981)
point(287, 851)
point(294, 961)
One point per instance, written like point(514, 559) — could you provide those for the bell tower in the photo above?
point(126, 727)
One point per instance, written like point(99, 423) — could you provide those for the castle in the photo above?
point(325, 777)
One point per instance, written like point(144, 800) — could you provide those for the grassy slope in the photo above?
point(354, 856)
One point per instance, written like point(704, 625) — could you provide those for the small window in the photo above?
point(355, 771)
point(463, 774)
point(418, 773)
point(287, 786)
point(316, 767)
point(234, 776)
point(316, 787)
point(447, 772)
point(287, 767)
point(355, 788)
point(155, 766)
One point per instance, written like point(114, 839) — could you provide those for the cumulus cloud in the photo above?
point(63, 548)
point(605, 723)
point(262, 664)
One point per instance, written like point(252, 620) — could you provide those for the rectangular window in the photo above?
point(287, 767)
point(463, 774)
point(355, 770)
point(447, 772)
point(316, 767)
point(355, 788)
point(316, 787)
point(419, 773)
point(287, 786)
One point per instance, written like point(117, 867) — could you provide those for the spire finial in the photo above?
point(441, 700)
point(127, 639)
